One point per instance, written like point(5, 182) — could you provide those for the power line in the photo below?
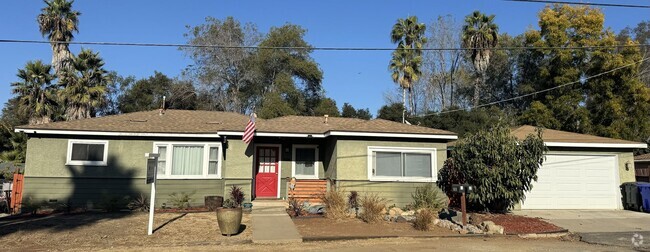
point(312, 48)
point(540, 91)
point(582, 3)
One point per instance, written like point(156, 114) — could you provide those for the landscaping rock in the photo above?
point(490, 228)
point(404, 218)
point(473, 229)
point(395, 211)
point(408, 213)
point(317, 209)
point(435, 222)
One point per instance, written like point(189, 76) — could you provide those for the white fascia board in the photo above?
point(596, 145)
point(398, 135)
point(106, 133)
point(272, 134)
point(642, 160)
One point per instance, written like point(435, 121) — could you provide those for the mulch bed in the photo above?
point(320, 227)
point(516, 224)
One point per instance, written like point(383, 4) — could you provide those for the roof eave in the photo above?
point(598, 145)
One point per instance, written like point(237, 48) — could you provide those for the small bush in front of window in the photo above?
point(430, 197)
point(335, 204)
point(373, 207)
point(423, 219)
point(140, 203)
point(181, 200)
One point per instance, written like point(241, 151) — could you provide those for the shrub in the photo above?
point(112, 203)
point(296, 207)
point(430, 197)
point(353, 201)
point(336, 207)
point(423, 219)
point(140, 203)
point(237, 195)
point(181, 200)
point(30, 206)
point(372, 206)
point(500, 166)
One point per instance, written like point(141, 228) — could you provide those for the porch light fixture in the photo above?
point(627, 165)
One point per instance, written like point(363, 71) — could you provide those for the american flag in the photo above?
point(249, 131)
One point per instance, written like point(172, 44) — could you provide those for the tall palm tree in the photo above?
point(85, 85)
point(480, 36)
point(58, 21)
point(408, 34)
point(37, 94)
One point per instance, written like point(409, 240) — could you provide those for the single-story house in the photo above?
point(580, 171)
point(642, 167)
point(202, 152)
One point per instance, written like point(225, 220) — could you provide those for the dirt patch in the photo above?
point(516, 224)
point(105, 230)
point(326, 228)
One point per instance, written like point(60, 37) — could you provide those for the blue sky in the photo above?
point(360, 78)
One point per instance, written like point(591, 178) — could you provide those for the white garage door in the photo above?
point(575, 182)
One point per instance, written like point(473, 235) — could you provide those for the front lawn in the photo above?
point(105, 230)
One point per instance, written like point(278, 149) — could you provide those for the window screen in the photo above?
point(87, 152)
point(305, 161)
point(401, 164)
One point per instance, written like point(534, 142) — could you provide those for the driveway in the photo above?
point(610, 227)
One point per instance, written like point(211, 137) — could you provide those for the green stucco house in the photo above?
point(203, 152)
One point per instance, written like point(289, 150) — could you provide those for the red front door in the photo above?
point(266, 179)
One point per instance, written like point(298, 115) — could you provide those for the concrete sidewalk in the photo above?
point(272, 225)
point(608, 227)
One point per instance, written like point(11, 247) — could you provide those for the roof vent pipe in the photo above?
point(326, 116)
point(162, 106)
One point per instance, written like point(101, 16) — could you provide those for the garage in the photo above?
point(575, 182)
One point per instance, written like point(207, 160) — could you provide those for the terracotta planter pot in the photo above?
point(229, 220)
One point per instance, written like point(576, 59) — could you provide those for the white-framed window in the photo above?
point(304, 161)
point(87, 152)
point(402, 164)
point(188, 160)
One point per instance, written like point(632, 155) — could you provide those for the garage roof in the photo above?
point(558, 138)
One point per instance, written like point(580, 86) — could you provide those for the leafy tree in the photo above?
point(290, 76)
point(500, 166)
point(85, 85)
point(349, 111)
point(36, 93)
point(147, 94)
point(15, 148)
point(465, 122)
point(479, 36)
point(223, 73)
point(274, 106)
point(641, 34)
point(58, 21)
point(405, 65)
point(391, 112)
point(327, 106)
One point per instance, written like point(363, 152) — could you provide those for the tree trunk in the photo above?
point(477, 88)
point(61, 58)
point(403, 103)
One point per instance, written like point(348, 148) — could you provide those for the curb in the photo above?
point(349, 238)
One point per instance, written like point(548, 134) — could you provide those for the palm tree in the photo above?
point(85, 85)
point(480, 35)
point(408, 34)
point(37, 94)
point(17, 147)
point(58, 21)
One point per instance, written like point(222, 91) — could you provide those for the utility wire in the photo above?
point(312, 48)
point(540, 91)
point(582, 3)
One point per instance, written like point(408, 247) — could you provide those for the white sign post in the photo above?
point(152, 171)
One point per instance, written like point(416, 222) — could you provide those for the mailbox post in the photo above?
point(152, 172)
point(463, 189)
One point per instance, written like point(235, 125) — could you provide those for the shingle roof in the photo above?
point(172, 121)
point(209, 122)
point(559, 136)
point(642, 157)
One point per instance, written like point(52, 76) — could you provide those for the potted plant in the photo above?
point(229, 216)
